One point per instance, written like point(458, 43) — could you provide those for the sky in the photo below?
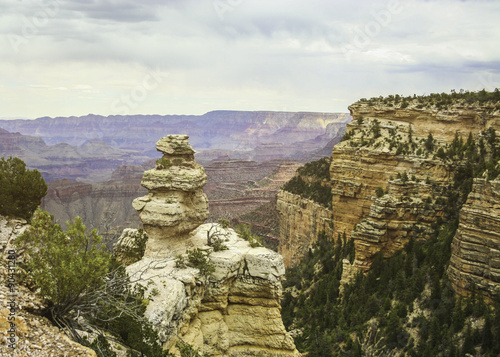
point(118, 57)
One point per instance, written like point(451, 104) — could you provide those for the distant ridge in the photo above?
point(246, 134)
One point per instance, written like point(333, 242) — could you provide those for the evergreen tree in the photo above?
point(21, 190)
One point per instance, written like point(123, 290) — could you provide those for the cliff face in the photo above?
point(387, 149)
point(300, 222)
point(105, 205)
point(231, 310)
point(237, 187)
point(387, 181)
point(475, 250)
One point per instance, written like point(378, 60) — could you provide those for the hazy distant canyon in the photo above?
point(94, 164)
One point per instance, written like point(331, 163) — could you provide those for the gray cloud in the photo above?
point(319, 55)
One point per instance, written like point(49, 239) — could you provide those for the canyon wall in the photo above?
point(301, 220)
point(475, 250)
point(386, 150)
point(105, 205)
point(91, 161)
point(389, 184)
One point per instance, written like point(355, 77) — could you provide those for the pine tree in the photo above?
point(21, 190)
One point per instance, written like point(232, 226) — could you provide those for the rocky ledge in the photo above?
point(235, 311)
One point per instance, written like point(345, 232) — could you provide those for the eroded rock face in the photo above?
point(301, 220)
point(365, 162)
point(130, 246)
point(475, 249)
point(233, 312)
point(175, 204)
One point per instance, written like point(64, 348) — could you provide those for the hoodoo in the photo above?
point(175, 204)
point(223, 298)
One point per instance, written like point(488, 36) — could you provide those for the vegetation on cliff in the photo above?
point(490, 101)
point(311, 182)
point(83, 286)
point(21, 190)
point(404, 305)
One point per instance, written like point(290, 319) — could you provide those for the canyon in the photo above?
point(94, 164)
point(388, 186)
point(258, 136)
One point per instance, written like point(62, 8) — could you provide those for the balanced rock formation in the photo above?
point(175, 204)
point(223, 299)
point(475, 250)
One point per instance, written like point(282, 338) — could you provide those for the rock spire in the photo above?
point(175, 204)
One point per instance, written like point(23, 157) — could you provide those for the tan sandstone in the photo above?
point(475, 250)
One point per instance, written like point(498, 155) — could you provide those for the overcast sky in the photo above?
point(74, 57)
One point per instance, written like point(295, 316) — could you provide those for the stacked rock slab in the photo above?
point(175, 204)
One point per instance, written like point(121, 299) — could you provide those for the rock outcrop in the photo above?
point(475, 250)
point(175, 204)
point(300, 222)
point(225, 302)
point(130, 246)
point(233, 312)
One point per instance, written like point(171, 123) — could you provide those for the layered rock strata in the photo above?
point(301, 220)
point(407, 210)
point(175, 204)
point(475, 250)
point(384, 144)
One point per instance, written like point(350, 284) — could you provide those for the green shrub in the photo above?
point(245, 232)
point(199, 259)
point(78, 279)
point(63, 265)
point(21, 190)
point(163, 163)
